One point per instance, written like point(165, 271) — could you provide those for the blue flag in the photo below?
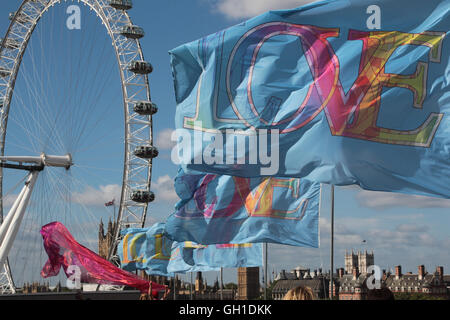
point(339, 92)
point(145, 249)
point(192, 257)
point(218, 209)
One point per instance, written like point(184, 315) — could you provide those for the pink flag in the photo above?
point(64, 251)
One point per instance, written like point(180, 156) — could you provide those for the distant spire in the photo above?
point(110, 226)
point(101, 230)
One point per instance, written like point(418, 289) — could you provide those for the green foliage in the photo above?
point(417, 296)
point(230, 286)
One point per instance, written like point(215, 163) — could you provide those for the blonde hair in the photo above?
point(300, 293)
point(144, 296)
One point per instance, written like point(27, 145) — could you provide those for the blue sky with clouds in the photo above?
point(400, 229)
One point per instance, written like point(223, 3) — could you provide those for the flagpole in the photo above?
point(175, 287)
point(332, 243)
point(266, 249)
point(221, 283)
point(114, 206)
point(190, 287)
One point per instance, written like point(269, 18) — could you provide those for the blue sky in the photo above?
point(400, 229)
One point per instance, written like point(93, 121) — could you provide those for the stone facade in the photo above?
point(354, 286)
point(422, 282)
point(248, 283)
point(300, 276)
point(35, 287)
point(105, 241)
point(361, 260)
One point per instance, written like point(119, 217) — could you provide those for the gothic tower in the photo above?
point(351, 261)
point(105, 241)
point(364, 261)
point(248, 283)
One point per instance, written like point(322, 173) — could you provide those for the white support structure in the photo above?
point(6, 282)
point(10, 227)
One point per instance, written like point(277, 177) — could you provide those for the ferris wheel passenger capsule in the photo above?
point(145, 108)
point(121, 4)
point(142, 196)
point(146, 152)
point(140, 67)
point(132, 32)
point(4, 72)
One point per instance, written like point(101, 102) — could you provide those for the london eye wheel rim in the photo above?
point(135, 88)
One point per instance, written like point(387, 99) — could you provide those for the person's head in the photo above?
point(144, 297)
point(380, 294)
point(300, 293)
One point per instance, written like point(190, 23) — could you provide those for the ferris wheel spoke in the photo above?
point(63, 192)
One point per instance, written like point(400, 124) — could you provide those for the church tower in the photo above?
point(105, 241)
point(351, 261)
point(365, 260)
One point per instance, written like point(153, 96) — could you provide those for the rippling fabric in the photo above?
point(358, 91)
point(64, 251)
point(145, 249)
point(192, 257)
point(219, 209)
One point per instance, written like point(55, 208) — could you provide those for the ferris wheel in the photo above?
point(41, 138)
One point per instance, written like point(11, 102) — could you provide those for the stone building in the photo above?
point(200, 286)
point(361, 260)
point(105, 241)
point(352, 286)
point(35, 287)
point(422, 282)
point(248, 283)
point(301, 276)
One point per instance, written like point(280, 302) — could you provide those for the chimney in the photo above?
point(341, 272)
point(384, 276)
point(355, 273)
point(398, 272)
point(440, 272)
point(421, 271)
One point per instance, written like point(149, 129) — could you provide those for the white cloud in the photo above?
point(412, 227)
point(9, 199)
point(164, 189)
point(237, 9)
point(164, 140)
point(98, 197)
point(384, 200)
